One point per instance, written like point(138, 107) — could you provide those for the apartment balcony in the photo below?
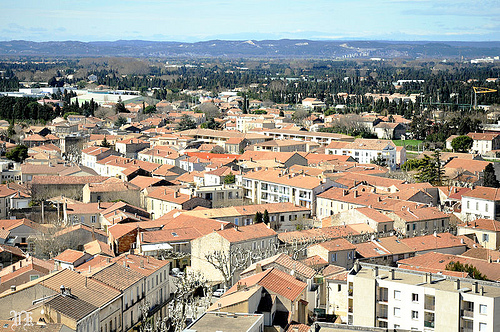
point(467, 313)
point(429, 324)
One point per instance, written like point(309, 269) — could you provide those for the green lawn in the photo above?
point(407, 142)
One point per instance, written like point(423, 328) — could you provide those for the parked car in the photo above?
point(219, 292)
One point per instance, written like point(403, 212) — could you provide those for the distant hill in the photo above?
point(284, 48)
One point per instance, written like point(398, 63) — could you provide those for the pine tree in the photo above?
point(265, 217)
point(258, 218)
point(489, 177)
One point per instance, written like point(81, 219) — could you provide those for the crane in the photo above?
point(478, 89)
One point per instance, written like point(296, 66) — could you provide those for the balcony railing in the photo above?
point(467, 313)
point(430, 306)
point(383, 299)
point(429, 324)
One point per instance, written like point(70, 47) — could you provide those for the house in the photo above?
point(69, 259)
point(129, 148)
point(481, 203)
point(91, 155)
point(250, 238)
point(163, 199)
point(484, 142)
point(312, 103)
point(486, 231)
point(281, 146)
point(389, 130)
point(77, 235)
point(48, 186)
point(366, 151)
point(274, 185)
point(282, 216)
point(286, 294)
point(422, 220)
point(339, 252)
point(18, 232)
point(111, 190)
point(23, 271)
point(378, 221)
point(85, 213)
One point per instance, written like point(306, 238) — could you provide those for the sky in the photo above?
point(199, 20)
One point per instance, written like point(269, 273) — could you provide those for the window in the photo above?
point(397, 312)
point(397, 295)
point(414, 297)
point(334, 257)
point(483, 309)
point(414, 314)
point(486, 237)
point(339, 288)
point(482, 327)
point(486, 207)
point(468, 204)
point(477, 205)
point(33, 277)
point(92, 219)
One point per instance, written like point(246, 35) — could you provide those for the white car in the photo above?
point(219, 292)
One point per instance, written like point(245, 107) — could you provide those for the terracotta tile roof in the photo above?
point(10, 224)
point(296, 327)
point(285, 261)
point(337, 245)
point(95, 150)
point(436, 271)
point(369, 144)
point(337, 145)
point(371, 249)
point(325, 233)
point(144, 181)
point(239, 296)
point(277, 176)
point(42, 169)
point(97, 247)
point(69, 180)
point(331, 270)
point(87, 208)
point(314, 261)
point(242, 210)
point(393, 245)
point(168, 195)
point(374, 214)
point(429, 242)
point(246, 233)
point(34, 138)
point(189, 176)
point(112, 184)
point(483, 224)
point(69, 256)
point(117, 276)
point(144, 265)
point(376, 181)
point(491, 194)
point(439, 261)
point(483, 136)
point(423, 213)
point(78, 227)
point(282, 284)
point(86, 289)
point(171, 235)
point(483, 253)
point(473, 166)
point(221, 171)
point(71, 307)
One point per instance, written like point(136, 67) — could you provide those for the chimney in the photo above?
point(427, 278)
point(379, 199)
point(344, 192)
point(13, 288)
point(258, 268)
point(489, 259)
point(481, 291)
point(124, 263)
point(457, 284)
point(90, 269)
point(476, 287)
point(375, 271)
point(391, 273)
point(141, 264)
point(355, 193)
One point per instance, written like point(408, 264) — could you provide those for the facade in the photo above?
point(481, 203)
point(484, 142)
point(486, 231)
point(380, 296)
point(272, 186)
point(365, 151)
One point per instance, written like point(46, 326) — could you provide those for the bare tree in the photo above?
point(186, 302)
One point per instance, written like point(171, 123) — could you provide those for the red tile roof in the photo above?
point(246, 233)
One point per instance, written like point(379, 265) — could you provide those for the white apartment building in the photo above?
point(365, 151)
point(481, 203)
point(484, 142)
point(381, 296)
point(273, 186)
